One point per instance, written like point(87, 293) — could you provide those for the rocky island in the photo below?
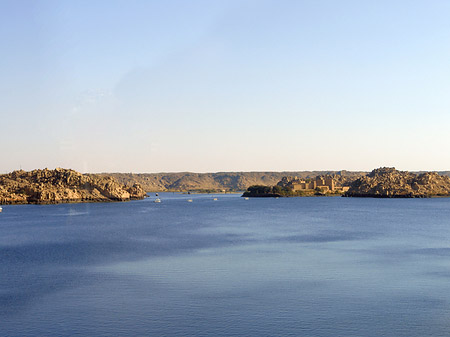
point(387, 182)
point(63, 186)
point(288, 186)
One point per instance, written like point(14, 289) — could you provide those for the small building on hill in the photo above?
point(325, 183)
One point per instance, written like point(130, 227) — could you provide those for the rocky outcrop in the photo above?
point(62, 185)
point(387, 182)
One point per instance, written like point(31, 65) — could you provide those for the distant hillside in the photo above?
point(227, 181)
point(441, 173)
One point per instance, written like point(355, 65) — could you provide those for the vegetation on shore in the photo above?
point(258, 191)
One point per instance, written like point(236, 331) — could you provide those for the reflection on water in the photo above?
point(298, 266)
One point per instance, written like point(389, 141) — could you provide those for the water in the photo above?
point(231, 267)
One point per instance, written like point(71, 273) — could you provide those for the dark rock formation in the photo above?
point(387, 182)
point(61, 185)
point(276, 191)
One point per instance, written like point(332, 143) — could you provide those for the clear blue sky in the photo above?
point(151, 86)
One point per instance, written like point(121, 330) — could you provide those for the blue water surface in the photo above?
point(232, 267)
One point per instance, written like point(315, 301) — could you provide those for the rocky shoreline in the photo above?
point(68, 186)
point(387, 182)
point(63, 186)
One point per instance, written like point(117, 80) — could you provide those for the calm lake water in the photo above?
point(231, 267)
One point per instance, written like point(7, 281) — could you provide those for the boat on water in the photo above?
point(1, 209)
point(189, 200)
point(245, 198)
point(215, 199)
point(156, 194)
point(157, 200)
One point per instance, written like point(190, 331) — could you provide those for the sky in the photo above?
point(224, 85)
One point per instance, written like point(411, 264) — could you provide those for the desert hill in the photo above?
point(220, 181)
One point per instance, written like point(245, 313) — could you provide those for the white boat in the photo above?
point(189, 200)
point(1, 209)
point(157, 200)
point(246, 198)
point(215, 199)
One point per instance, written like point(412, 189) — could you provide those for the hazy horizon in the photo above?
point(224, 86)
point(218, 172)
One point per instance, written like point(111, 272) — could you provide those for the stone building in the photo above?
point(325, 183)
